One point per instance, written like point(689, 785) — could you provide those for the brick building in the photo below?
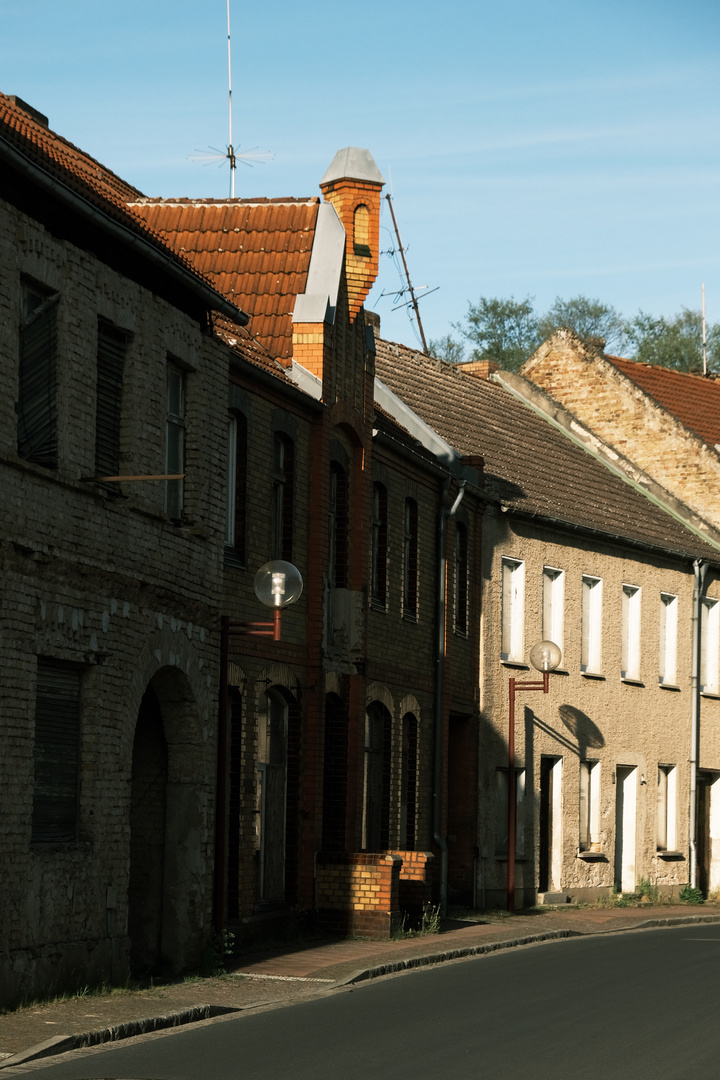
point(338, 739)
point(610, 768)
point(111, 592)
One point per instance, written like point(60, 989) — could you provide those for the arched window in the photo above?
point(282, 501)
point(376, 801)
point(379, 544)
point(361, 232)
point(236, 496)
point(338, 526)
point(410, 560)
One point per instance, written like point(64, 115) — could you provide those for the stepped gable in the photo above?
point(693, 399)
point(529, 465)
point(256, 252)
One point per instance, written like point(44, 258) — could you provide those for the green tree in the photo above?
point(501, 330)
point(447, 348)
point(674, 343)
point(590, 319)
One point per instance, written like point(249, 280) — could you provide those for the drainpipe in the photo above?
point(445, 513)
point(700, 570)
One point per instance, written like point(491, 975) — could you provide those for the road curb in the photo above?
point(60, 1044)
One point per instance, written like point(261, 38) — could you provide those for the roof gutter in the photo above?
point(121, 233)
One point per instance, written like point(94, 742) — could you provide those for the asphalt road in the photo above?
point(642, 1005)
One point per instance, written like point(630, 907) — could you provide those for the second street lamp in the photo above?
point(545, 656)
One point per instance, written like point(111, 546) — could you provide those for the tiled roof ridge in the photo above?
point(186, 200)
point(47, 134)
point(660, 369)
point(454, 370)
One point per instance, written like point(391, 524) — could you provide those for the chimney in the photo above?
point(481, 369)
point(353, 184)
point(38, 117)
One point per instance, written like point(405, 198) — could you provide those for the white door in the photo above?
point(625, 827)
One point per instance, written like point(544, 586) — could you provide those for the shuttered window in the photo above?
point(57, 745)
point(111, 350)
point(36, 407)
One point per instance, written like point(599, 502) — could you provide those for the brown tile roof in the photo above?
point(256, 252)
point(528, 464)
point(693, 399)
point(81, 174)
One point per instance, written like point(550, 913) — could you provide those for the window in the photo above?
point(709, 646)
point(376, 802)
point(56, 752)
point(512, 646)
point(591, 648)
point(666, 807)
point(553, 605)
point(36, 407)
point(461, 578)
point(631, 595)
point(589, 806)
point(236, 485)
point(175, 440)
point(379, 545)
point(282, 500)
point(668, 638)
point(501, 819)
point(410, 560)
point(111, 349)
point(338, 526)
point(361, 232)
point(409, 783)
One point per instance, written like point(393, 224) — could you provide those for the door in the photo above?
point(550, 853)
point(625, 827)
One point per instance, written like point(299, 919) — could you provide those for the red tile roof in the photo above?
point(693, 399)
point(77, 171)
point(256, 252)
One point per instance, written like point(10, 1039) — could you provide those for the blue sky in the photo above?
point(535, 148)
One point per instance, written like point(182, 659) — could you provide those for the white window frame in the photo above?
point(710, 646)
point(668, 639)
point(591, 647)
point(589, 805)
point(667, 808)
point(512, 642)
point(553, 612)
point(631, 627)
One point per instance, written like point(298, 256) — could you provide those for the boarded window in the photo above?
point(36, 407)
point(379, 545)
point(111, 350)
point(57, 745)
point(175, 440)
point(283, 484)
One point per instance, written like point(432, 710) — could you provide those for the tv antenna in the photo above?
point(413, 301)
point(247, 157)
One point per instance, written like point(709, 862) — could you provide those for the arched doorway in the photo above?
point(170, 790)
point(278, 778)
point(148, 800)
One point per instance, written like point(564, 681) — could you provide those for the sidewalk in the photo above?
point(287, 974)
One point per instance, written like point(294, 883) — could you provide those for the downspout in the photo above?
point(700, 570)
point(445, 513)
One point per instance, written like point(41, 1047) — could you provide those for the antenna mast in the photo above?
point(704, 333)
point(230, 149)
point(413, 299)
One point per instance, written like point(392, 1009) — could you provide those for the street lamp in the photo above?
point(545, 656)
point(277, 584)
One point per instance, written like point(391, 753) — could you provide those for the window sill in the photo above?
point(232, 559)
point(630, 681)
point(377, 605)
point(592, 856)
point(673, 856)
point(407, 617)
point(710, 694)
point(668, 686)
point(507, 661)
point(592, 675)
